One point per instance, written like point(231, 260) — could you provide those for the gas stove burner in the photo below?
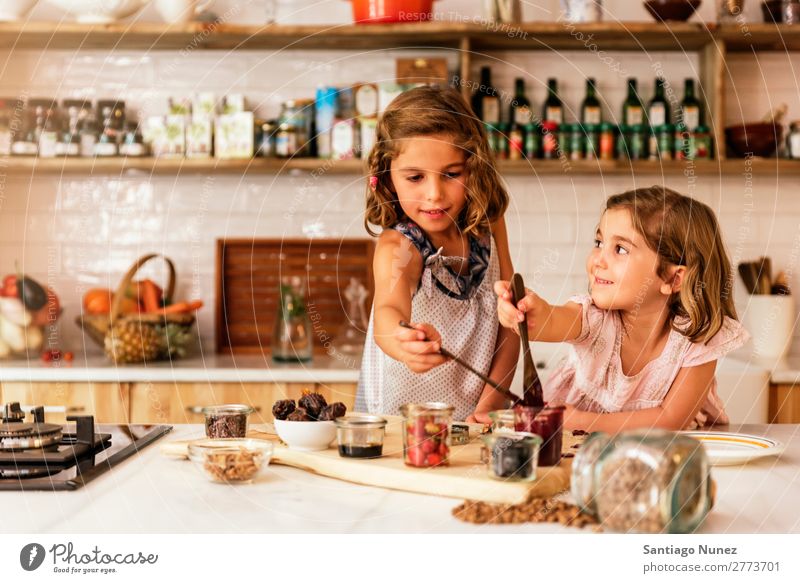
point(24, 473)
point(17, 436)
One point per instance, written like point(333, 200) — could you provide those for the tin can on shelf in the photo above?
point(426, 434)
point(549, 140)
point(622, 143)
point(577, 141)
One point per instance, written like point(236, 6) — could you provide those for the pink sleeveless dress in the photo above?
point(591, 378)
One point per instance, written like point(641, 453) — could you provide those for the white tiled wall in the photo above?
point(77, 233)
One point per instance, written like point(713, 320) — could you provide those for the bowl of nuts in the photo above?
point(307, 425)
point(231, 460)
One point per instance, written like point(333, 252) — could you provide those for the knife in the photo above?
point(532, 394)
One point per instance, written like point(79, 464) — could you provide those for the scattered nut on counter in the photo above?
point(537, 510)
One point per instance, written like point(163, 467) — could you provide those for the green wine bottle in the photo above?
point(691, 109)
point(632, 108)
point(658, 113)
point(591, 112)
point(553, 108)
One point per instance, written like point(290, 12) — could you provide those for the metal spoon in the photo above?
point(532, 394)
point(447, 354)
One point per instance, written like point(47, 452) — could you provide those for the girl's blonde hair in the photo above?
point(426, 111)
point(684, 231)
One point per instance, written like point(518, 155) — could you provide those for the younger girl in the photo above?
point(660, 314)
point(435, 192)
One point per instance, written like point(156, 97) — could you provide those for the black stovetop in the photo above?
point(83, 452)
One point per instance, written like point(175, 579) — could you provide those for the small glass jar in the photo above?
point(644, 481)
point(533, 141)
point(702, 143)
point(621, 149)
point(426, 434)
point(502, 142)
point(106, 146)
point(292, 337)
point(606, 142)
point(503, 420)
point(360, 436)
point(88, 138)
point(592, 145)
point(266, 139)
point(793, 140)
point(132, 144)
point(637, 142)
point(299, 115)
point(286, 141)
point(223, 421)
point(547, 423)
point(549, 140)
point(512, 455)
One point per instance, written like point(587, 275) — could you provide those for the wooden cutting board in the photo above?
point(465, 478)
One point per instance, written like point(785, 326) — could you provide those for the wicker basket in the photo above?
point(172, 331)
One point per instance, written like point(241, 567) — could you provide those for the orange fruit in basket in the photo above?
point(97, 301)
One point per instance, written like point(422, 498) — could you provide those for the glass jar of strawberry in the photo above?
point(426, 434)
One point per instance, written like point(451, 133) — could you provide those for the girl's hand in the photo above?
point(510, 315)
point(420, 347)
point(479, 417)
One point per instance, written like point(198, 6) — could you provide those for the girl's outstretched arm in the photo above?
point(546, 323)
point(397, 267)
point(506, 349)
point(677, 411)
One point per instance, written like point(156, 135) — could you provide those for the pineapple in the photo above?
point(131, 341)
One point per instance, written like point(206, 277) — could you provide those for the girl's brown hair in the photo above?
point(426, 111)
point(684, 231)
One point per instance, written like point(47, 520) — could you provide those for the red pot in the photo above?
point(378, 11)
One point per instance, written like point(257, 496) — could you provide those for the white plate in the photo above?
point(728, 449)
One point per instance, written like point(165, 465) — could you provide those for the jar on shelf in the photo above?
point(132, 144)
point(286, 141)
point(11, 110)
point(292, 337)
point(606, 142)
point(111, 115)
point(88, 138)
point(265, 144)
point(565, 139)
point(592, 145)
point(533, 141)
point(637, 142)
point(45, 126)
point(299, 115)
point(702, 143)
point(793, 140)
point(644, 481)
point(549, 140)
point(621, 149)
point(426, 434)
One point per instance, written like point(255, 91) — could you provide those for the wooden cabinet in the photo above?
point(183, 402)
point(108, 402)
point(161, 402)
point(784, 403)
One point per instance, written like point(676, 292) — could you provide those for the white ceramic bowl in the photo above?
point(11, 10)
point(306, 435)
point(99, 11)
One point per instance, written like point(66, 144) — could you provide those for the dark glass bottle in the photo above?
point(632, 109)
point(553, 108)
point(485, 102)
point(658, 113)
point(520, 110)
point(591, 112)
point(691, 110)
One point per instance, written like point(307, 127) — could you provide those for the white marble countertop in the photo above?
point(153, 494)
point(208, 367)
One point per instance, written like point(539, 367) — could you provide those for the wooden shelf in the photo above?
point(760, 37)
point(273, 166)
point(526, 36)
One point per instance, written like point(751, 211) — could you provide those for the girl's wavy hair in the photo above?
point(684, 231)
point(425, 111)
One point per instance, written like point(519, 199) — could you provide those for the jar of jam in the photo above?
point(512, 455)
point(606, 142)
point(360, 436)
point(549, 425)
point(426, 434)
point(549, 140)
point(644, 481)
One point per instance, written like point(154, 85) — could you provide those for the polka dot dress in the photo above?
point(468, 326)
